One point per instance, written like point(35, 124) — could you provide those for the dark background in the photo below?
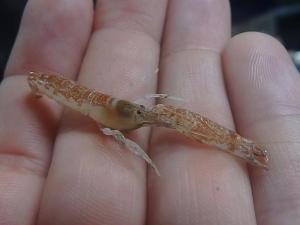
point(279, 18)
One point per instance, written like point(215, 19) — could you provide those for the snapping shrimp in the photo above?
point(114, 115)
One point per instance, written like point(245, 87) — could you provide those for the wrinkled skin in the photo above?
point(56, 167)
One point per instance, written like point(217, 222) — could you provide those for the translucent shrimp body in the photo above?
point(121, 115)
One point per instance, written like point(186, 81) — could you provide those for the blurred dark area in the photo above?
point(10, 17)
point(279, 18)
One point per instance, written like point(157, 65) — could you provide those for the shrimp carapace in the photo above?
point(208, 132)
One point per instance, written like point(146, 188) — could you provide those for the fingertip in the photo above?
point(52, 37)
point(245, 46)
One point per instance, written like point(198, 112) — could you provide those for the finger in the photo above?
point(199, 185)
point(93, 178)
point(264, 89)
point(28, 126)
point(47, 36)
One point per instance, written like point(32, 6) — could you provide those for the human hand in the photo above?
point(58, 168)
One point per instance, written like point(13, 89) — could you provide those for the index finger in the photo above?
point(28, 127)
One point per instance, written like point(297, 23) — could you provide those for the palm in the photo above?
point(93, 180)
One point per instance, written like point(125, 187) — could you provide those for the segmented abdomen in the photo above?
point(67, 92)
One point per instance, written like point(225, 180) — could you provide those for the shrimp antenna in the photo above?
point(137, 81)
point(158, 96)
point(148, 95)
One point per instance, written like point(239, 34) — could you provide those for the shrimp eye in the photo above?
point(139, 112)
point(142, 106)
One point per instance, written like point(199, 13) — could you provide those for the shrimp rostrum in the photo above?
point(114, 115)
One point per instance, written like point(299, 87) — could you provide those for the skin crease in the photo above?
point(57, 168)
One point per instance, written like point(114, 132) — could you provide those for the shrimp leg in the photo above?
point(35, 90)
point(132, 146)
point(158, 96)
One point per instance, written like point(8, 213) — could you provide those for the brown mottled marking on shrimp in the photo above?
point(208, 132)
point(69, 90)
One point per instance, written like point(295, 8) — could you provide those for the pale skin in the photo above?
point(57, 168)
